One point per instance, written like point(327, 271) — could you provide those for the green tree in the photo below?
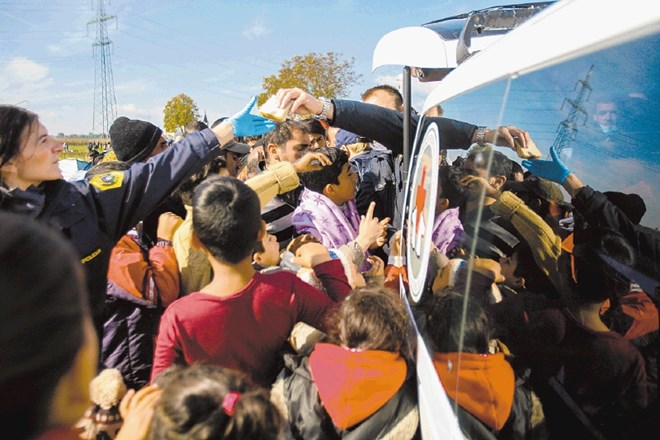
point(319, 74)
point(179, 112)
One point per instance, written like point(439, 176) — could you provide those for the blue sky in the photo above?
point(217, 52)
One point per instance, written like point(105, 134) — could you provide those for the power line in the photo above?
point(105, 103)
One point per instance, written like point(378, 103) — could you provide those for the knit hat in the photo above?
point(632, 205)
point(133, 140)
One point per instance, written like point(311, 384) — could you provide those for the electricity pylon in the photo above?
point(105, 103)
point(567, 130)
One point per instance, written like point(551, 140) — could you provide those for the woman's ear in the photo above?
point(8, 167)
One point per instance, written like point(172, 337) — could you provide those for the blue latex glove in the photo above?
point(553, 170)
point(247, 124)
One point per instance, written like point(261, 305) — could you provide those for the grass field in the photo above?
point(78, 146)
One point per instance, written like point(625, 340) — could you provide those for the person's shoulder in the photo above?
point(275, 273)
point(188, 303)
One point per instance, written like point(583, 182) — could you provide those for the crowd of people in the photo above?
point(243, 282)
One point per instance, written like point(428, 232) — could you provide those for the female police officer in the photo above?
point(95, 214)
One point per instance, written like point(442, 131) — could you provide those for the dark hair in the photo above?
point(390, 90)
point(195, 126)
point(192, 406)
point(282, 133)
point(443, 316)
point(41, 319)
point(187, 189)
point(371, 318)
point(516, 168)
point(314, 126)
point(596, 279)
point(226, 218)
point(14, 122)
point(317, 180)
point(448, 179)
point(106, 167)
point(500, 165)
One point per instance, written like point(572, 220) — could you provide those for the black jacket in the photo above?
point(386, 126)
point(94, 214)
point(598, 211)
point(311, 419)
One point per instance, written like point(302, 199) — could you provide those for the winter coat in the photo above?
point(491, 403)
point(340, 393)
point(94, 214)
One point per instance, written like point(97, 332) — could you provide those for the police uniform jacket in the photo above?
point(94, 214)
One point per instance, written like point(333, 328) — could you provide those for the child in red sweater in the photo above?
point(242, 318)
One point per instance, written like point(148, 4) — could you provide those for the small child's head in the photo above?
point(227, 218)
point(267, 252)
point(210, 402)
point(443, 316)
point(372, 318)
point(451, 194)
point(337, 181)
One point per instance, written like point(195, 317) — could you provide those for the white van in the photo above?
point(580, 76)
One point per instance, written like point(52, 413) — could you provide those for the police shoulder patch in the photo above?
point(113, 179)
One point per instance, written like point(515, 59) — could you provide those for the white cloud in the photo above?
point(133, 111)
point(21, 77)
point(54, 49)
point(256, 29)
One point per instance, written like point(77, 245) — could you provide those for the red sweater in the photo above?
point(245, 331)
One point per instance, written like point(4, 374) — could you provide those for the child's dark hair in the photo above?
point(371, 318)
point(443, 315)
point(187, 189)
point(452, 190)
point(226, 218)
point(205, 402)
point(317, 180)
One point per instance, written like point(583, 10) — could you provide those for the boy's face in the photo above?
point(271, 254)
point(347, 187)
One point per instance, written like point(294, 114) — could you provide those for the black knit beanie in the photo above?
point(133, 140)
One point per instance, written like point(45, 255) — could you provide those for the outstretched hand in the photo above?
point(311, 162)
point(372, 232)
point(476, 184)
point(303, 102)
point(506, 135)
point(247, 124)
point(553, 170)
